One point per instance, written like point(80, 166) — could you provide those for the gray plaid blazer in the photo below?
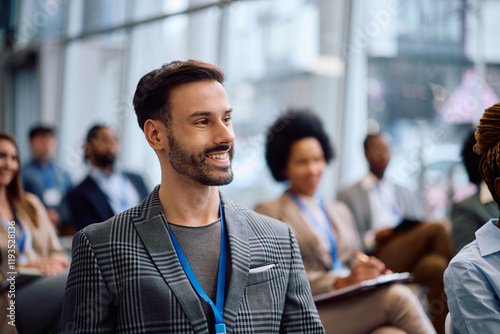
point(125, 277)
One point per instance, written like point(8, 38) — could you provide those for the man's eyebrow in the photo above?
point(207, 113)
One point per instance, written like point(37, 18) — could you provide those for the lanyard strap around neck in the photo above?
point(327, 231)
point(218, 308)
point(20, 240)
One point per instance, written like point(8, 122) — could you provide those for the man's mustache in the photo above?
point(218, 148)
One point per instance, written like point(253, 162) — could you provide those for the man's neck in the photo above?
point(187, 202)
point(378, 174)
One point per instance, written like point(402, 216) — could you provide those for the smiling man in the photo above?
point(187, 259)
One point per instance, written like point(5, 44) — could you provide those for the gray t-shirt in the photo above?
point(201, 246)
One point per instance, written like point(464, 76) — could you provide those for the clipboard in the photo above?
point(362, 287)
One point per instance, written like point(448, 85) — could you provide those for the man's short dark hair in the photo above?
point(41, 130)
point(293, 125)
point(94, 131)
point(470, 159)
point(152, 96)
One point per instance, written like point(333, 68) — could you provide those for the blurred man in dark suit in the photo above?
point(107, 190)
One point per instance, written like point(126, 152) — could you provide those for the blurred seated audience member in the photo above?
point(45, 178)
point(468, 215)
point(388, 219)
point(297, 151)
point(471, 280)
point(25, 224)
point(106, 190)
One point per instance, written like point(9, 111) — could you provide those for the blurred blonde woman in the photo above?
point(24, 223)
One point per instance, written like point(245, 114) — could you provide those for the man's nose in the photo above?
point(224, 133)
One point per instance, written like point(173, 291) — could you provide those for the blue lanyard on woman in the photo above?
point(20, 241)
point(327, 231)
point(218, 308)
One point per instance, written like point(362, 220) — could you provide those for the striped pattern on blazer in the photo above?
point(126, 278)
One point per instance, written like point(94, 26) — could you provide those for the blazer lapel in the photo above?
point(98, 199)
point(239, 255)
point(303, 231)
point(152, 229)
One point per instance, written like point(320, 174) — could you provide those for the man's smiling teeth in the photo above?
point(218, 156)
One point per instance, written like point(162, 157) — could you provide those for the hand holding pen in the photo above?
point(363, 258)
point(367, 267)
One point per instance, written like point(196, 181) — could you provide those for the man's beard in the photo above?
point(105, 159)
point(195, 167)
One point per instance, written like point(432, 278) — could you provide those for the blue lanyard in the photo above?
point(220, 327)
point(20, 241)
point(328, 232)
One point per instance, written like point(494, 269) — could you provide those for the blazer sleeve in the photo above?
point(358, 203)
point(300, 314)
point(464, 226)
point(88, 306)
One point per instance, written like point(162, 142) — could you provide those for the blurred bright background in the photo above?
point(421, 70)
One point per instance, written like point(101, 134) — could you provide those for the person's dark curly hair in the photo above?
point(293, 125)
point(470, 159)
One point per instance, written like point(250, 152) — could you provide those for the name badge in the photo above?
point(52, 197)
point(220, 328)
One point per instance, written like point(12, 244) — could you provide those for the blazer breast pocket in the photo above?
point(263, 273)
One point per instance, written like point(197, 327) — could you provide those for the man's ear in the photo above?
point(497, 186)
point(156, 134)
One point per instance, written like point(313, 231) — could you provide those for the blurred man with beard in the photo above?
point(107, 190)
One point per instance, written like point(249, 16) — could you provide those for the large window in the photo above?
point(427, 91)
point(422, 71)
point(269, 50)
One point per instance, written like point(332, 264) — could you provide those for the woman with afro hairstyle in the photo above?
point(297, 152)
